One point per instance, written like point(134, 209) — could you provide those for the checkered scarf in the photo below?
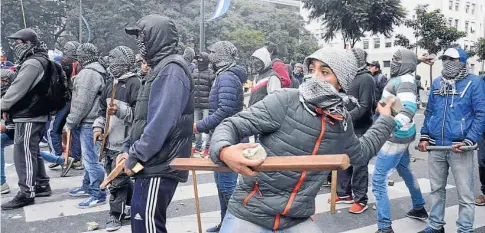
point(140, 42)
point(70, 49)
point(87, 53)
point(121, 60)
point(7, 77)
point(454, 70)
point(223, 55)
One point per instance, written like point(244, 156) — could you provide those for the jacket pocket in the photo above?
point(251, 194)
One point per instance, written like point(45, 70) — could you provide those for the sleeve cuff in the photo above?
point(468, 142)
point(215, 152)
point(131, 162)
point(424, 137)
point(97, 129)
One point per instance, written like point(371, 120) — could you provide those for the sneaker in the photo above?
point(205, 154)
point(385, 230)
point(91, 202)
point(214, 229)
point(432, 230)
point(342, 200)
point(5, 188)
point(77, 165)
point(19, 201)
point(43, 191)
point(195, 150)
point(79, 192)
point(53, 165)
point(326, 184)
point(480, 201)
point(67, 168)
point(358, 208)
point(420, 214)
point(113, 223)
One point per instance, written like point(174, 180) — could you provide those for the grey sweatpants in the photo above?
point(28, 162)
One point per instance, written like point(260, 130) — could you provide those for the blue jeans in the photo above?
point(201, 139)
point(481, 163)
point(393, 155)
point(54, 131)
point(51, 158)
point(226, 183)
point(462, 166)
point(232, 224)
point(94, 171)
point(6, 141)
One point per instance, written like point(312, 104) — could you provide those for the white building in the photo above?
point(465, 15)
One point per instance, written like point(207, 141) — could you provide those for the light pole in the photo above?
point(202, 29)
point(80, 20)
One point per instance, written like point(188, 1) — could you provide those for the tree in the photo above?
point(353, 18)
point(479, 49)
point(45, 17)
point(432, 32)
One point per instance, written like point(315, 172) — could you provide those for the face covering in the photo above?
point(321, 94)
point(395, 66)
point(21, 50)
point(116, 70)
point(454, 70)
point(141, 44)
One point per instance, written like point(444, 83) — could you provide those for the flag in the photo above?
point(221, 9)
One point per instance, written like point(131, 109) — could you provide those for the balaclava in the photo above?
point(104, 61)
point(223, 55)
point(189, 54)
point(87, 53)
point(70, 48)
point(361, 57)
point(203, 61)
point(121, 61)
point(319, 93)
point(7, 77)
point(403, 62)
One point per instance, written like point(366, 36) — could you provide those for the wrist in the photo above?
point(221, 153)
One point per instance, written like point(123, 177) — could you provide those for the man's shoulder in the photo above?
point(32, 62)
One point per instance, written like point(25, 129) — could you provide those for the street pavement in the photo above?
point(59, 214)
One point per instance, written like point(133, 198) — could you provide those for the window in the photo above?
point(473, 8)
point(472, 68)
point(377, 42)
point(466, 47)
point(450, 22)
point(388, 42)
point(472, 27)
point(457, 5)
point(466, 26)
point(365, 43)
point(387, 63)
point(451, 4)
point(456, 23)
point(467, 7)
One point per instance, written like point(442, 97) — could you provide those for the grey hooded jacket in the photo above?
point(87, 88)
point(287, 127)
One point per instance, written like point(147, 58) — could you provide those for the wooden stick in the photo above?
point(108, 117)
point(196, 194)
point(68, 147)
point(277, 163)
point(333, 192)
point(113, 174)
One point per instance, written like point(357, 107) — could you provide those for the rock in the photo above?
point(92, 226)
point(374, 207)
point(61, 214)
point(257, 153)
point(182, 203)
point(390, 182)
point(413, 159)
point(16, 217)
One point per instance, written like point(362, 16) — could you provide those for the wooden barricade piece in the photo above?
point(279, 163)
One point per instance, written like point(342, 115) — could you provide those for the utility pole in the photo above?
point(202, 29)
point(80, 20)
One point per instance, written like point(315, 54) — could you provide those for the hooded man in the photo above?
point(203, 80)
point(299, 72)
point(189, 55)
point(71, 67)
point(267, 80)
point(456, 98)
point(354, 179)
point(26, 101)
point(121, 63)
point(226, 99)
point(87, 88)
point(162, 126)
point(285, 200)
point(395, 152)
point(380, 79)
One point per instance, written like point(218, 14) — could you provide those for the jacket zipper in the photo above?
point(461, 126)
point(251, 194)
point(444, 118)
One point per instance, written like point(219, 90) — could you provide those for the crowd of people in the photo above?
point(163, 104)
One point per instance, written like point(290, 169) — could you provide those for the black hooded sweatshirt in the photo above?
point(203, 79)
point(164, 114)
